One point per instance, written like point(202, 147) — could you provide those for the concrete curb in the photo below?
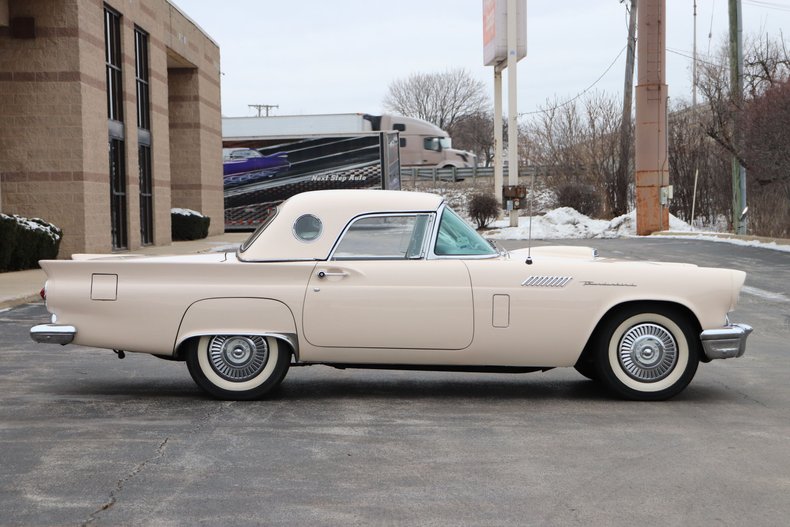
point(18, 300)
point(725, 236)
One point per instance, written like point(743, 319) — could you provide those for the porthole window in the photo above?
point(307, 227)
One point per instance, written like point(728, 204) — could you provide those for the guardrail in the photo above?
point(414, 174)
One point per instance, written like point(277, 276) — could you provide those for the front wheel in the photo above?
point(647, 353)
point(238, 367)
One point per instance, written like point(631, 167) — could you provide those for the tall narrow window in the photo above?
point(141, 78)
point(117, 150)
point(144, 136)
point(118, 194)
point(112, 52)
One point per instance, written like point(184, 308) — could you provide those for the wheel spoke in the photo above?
point(238, 358)
point(647, 352)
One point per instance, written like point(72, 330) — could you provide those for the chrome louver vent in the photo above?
point(547, 281)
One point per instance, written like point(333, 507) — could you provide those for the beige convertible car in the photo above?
point(387, 279)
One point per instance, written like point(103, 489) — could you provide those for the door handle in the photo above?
point(324, 274)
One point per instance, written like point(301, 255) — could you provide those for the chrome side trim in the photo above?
point(52, 334)
point(725, 343)
point(547, 281)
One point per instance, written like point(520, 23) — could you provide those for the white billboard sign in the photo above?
point(495, 31)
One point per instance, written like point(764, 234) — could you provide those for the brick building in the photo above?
point(109, 116)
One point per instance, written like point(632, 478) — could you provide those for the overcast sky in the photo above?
point(338, 56)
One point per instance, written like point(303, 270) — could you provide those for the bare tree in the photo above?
point(763, 147)
point(766, 63)
point(577, 147)
point(694, 155)
point(767, 151)
point(439, 98)
point(601, 151)
point(475, 132)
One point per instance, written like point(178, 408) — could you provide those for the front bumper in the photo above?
point(726, 342)
point(53, 334)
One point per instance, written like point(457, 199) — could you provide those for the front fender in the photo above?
point(237, 316)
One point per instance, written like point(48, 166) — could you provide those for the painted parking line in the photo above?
point(767, 295)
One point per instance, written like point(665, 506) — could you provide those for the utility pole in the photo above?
point(652, 171)
point(694, 109)
point(694, 64)
point(736, 99)
point(266, 107)
point(625, 123)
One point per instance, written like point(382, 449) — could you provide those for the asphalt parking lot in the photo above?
point(86, 439)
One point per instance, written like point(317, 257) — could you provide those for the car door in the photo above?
point(378, 290)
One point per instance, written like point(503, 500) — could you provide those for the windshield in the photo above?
point(457, 238)
point(228, 155)
point(437, 143)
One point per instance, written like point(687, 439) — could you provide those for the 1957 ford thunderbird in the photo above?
point(388, 279)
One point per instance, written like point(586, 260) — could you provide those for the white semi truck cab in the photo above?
point(422, 143)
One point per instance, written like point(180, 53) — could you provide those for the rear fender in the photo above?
point(238, 316)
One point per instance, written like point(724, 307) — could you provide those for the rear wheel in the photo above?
point(647, 353)
point(238, 367)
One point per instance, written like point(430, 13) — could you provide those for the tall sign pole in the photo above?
point(498, 172)
point(652, 160)
point(504, 44)
point(512, 101)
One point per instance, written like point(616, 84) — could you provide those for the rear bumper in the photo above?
point(726, 342)
point(53, 334)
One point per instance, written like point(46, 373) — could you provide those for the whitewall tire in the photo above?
point(238, 367)
point(647, 353)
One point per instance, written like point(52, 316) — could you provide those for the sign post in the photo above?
point(504, 44)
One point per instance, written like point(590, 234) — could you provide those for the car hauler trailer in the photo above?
point(263, 170)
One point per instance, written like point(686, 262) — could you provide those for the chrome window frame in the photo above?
point(424, 249)
point(246, 244)
point(307, 240)
point(432, 252)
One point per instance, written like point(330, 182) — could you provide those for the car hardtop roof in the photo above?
point(354, 202)
point(335, 209)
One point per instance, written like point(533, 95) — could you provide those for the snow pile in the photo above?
point(186, 212)
point(567, 223)
point(36, 225)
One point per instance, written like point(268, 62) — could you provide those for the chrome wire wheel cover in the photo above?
point(647, 352)
point(238, 358)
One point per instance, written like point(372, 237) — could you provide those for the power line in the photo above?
point(690, 57)
point(768, 5)
point(588, 88)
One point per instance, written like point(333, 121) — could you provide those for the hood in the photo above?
point(558, 251)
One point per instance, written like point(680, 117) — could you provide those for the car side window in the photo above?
point(385, 237)
point(457, 238)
